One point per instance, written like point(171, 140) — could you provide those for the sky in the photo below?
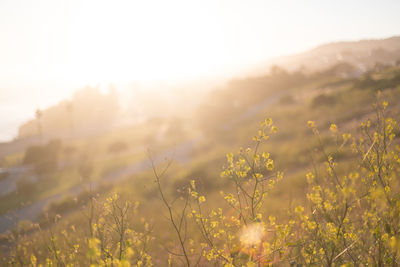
point(49, 48)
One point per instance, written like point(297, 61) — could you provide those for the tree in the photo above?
point(38, 115)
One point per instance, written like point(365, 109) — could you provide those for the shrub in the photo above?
point(323, 100)
point(109, 240)
point(43, 158)
point(353, 218)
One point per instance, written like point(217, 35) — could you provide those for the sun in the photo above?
point(138, 40)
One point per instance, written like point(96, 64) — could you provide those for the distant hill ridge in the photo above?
point(363, 55)
point(392, 43)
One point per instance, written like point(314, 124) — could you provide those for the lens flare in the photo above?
point(252, 235)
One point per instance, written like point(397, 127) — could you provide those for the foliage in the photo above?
point(350, 217)
point(369, 82)
point(353, 218)
point(323, 100)
point(109, 240)
point(44, 158)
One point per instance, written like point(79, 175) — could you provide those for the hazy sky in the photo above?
point(49, 48)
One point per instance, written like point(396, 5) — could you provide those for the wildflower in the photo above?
point(202, 199)
point(333, 128)
point(270, 164)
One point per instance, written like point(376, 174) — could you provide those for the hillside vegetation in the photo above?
point(316, 183)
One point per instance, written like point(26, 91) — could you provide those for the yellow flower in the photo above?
point(270, 164)
point(333, 128)
point(299, 209)
point(268, 122)
point(346, 136)
point(33, 260)
point(202, 199)
point(310, 177)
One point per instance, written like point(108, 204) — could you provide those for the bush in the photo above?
point(323, 100)
point(43, 158)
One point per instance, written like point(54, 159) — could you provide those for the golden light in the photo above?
point(251, 235)
point(141, 40)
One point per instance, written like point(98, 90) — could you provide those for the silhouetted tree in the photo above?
point(38, 115)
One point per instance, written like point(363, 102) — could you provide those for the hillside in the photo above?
point(361, 55)
point(70, 182)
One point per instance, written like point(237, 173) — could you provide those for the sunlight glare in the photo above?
point(121, 42)
point(252, 235)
